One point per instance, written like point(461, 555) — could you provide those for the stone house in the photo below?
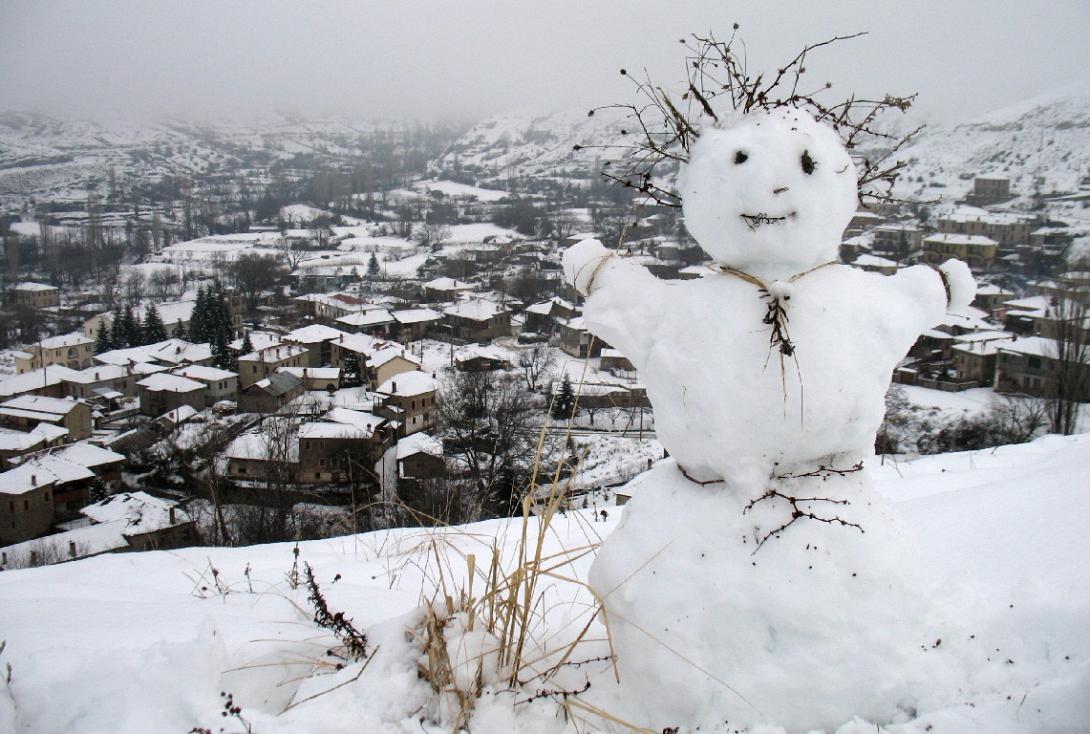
point(976, 251)
point(219, 384)
point(446, 289)
point(36, 295)
point(316, 378)
point(318, 340)
point(74, 351)
point(477, 320)
point(258, 365)
point(976, 356)
point(413, 394)
point(164, 392)
point(576, 340)
point(1029, 366)
point(896, 241)
point(25, 412)
point(26, 504)
point(414, 323)
point(270, 394)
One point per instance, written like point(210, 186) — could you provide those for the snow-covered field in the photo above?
point(147, 642)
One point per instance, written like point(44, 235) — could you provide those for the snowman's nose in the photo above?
point(779, 190)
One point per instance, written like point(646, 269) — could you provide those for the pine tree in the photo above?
point(564, 401)
point(372, 267)
point(117, 331)
point(247, 345)
point(153, 329)
point(198, 321)
point(179, 330)
point(131, 328)
point(102, 338)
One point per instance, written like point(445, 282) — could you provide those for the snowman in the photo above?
point(756, 576)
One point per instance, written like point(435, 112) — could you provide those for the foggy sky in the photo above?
point(465, 59)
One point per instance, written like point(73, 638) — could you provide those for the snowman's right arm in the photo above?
point(622, 297)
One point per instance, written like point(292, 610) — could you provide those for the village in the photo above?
point(309, 376)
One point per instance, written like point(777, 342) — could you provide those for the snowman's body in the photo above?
point(726, 602)
point(728, 404)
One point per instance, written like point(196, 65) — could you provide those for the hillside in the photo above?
point(147, 642)
point(1042, 143)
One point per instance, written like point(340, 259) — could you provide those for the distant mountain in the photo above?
point(542, 145)
point(50, 158)
point(1041, 143)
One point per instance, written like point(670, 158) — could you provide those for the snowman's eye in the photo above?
point(808, 163)
point(740, 157)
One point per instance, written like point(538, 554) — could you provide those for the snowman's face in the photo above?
point(770, 195)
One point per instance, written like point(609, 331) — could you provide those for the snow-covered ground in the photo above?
point(148, 641)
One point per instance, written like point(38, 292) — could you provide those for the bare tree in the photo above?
point(1068, 385)
point(488, 431)
point(535, 361)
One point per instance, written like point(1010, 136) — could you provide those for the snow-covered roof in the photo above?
point(367, 318)
point(259, 446)
point(408, 384)
point(54, 408)
point(163, 382)
point(362, 420)
point(449, 284)
point(258, 340)
point(1032, 346)
point(388, 353)
point(137, 512)
point(35, 380)
point(971, 240)
point(416, 315)
point(170, 351)
point(40, 471)
point(98, 373)
point(75, 339)
point(274, 353)
point(313, 373)
point(330, 429)
point(19, 441)
point(205, 374)
point(28, 285)
point(85, 454)
point(179, 415)
point(419, 443)
point(313, 334)
point(476, 309)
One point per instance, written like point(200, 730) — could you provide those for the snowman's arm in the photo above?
point(933, 291)
point(622, 297)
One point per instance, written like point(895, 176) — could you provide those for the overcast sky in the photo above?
point(466, 59)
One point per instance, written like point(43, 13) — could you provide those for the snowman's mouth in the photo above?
point(753, 221)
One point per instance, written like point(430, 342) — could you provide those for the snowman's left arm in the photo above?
point(933, 291)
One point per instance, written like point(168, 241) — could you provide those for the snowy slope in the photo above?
point(144, 642)
point(1046, 137)
point(63, 158)
point(528, 145)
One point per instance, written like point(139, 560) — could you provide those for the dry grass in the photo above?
point(485, 624)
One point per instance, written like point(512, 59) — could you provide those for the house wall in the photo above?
point(25, 516)
point(156, 402)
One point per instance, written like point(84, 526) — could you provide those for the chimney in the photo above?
point(71, 549)
point(34, 558)
point(172, 516)
point(393, 387)
point(33, 480)
point(649, 462)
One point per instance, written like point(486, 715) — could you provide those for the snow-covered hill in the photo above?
point(1041, 143)
point(52, 158)
point(147, 642)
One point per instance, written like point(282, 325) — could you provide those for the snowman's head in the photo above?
point(769, 194)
